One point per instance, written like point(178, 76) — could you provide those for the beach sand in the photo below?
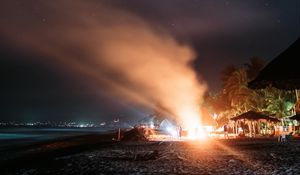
point(98, 154)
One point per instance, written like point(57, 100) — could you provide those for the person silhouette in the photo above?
point(226, 131)
point(180, 132)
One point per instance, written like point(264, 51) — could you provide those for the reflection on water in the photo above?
point(15, 136)
point(21, 136)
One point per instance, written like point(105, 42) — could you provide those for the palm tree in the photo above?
point(236, 86)
point(257, 100)
point(280, 103)
point(227, 73)
point(218, 103)
point(237, 90)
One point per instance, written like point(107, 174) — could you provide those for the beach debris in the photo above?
point(135, 134)
point(181, 158)
point(232, 161)
point(152, 155)
point(133, 155)
point(273, 155)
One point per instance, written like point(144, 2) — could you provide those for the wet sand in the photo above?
point(98, 154)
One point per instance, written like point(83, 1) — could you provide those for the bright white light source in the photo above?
point(209, 128)
point(171, 131)
point(215, 116)
point(197, 132)
point(102, 124)
point(152, 126)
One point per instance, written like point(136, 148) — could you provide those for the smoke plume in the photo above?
point(133, 59)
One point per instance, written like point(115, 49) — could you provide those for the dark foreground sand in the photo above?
point(95, 154)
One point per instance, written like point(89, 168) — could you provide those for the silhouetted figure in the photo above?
point(226, 131)
point(180, 132)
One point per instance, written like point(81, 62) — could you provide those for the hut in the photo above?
point(253, 120)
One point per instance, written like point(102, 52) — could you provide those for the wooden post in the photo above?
point(236, 128)
point(258, 127)
point(250, 127)
point(119, 134)
point(297, 99)
point(254, 129)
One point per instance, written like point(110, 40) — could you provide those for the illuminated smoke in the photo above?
point(133, 59)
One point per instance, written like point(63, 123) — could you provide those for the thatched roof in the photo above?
point(282, 72)
point(252, 115)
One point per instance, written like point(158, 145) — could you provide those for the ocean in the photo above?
point(28, 135)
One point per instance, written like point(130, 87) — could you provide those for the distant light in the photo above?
point(81, 126)
point(209, 128)
point(197, 132)
point(240, 129)
point(151, 125)
point(172, 131)
point(215, 116)
point(102, 124)
point(169, 129)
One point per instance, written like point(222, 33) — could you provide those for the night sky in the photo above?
point(222, 32)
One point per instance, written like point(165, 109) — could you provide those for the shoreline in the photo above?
point(99, 154)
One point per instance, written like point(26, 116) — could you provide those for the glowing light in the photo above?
point(102, 124)
point(151, 125)
point(240, 129)
point(192, 123)
point(197, 132)
point(202, 134)
point(209, 128)
point(215, 116)
point(172, 131)
point(169, 129)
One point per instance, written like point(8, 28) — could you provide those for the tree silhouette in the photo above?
point(256, 64)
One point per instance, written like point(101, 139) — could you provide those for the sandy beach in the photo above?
point(98, 154)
